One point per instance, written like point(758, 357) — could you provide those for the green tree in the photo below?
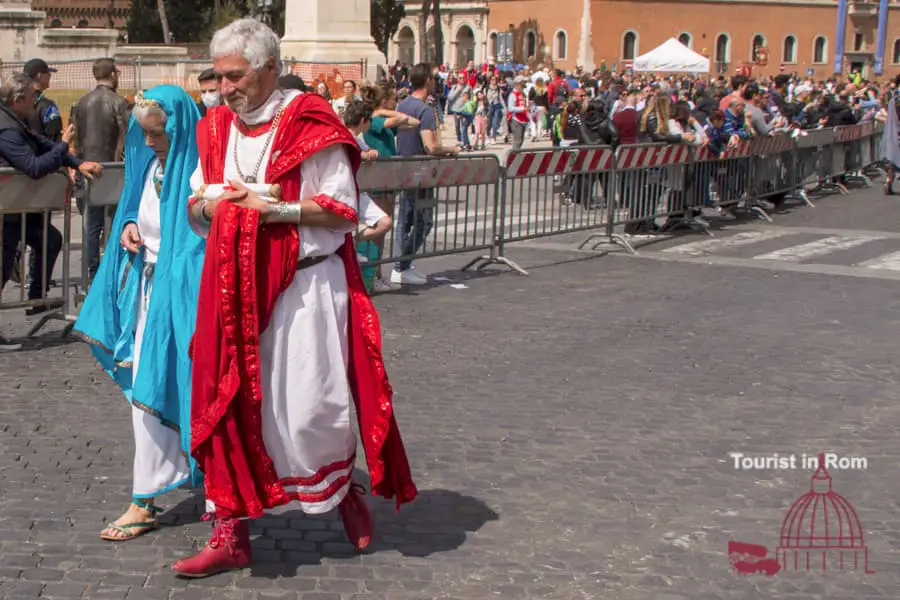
point(143, 23)
point(196, 21)
point(386, 16)
point(438, 33)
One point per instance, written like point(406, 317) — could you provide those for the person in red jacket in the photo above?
point(517, 113)
point(626, 119)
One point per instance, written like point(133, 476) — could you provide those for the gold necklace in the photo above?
point(262, 154)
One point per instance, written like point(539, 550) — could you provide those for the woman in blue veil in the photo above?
point(139, 314)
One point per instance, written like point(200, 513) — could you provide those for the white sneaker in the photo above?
point(382, 285)
point(408, 277)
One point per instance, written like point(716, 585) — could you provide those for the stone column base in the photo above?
point(349, 51)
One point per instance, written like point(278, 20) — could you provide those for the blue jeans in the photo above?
point(415, 223)
point(441, 108)
point(457, 121)
point(464, 127)
point(495, 119)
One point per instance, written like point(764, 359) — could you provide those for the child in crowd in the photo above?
point(466, 114)
point(374, 223)
point(717, 142)
point(481, 119)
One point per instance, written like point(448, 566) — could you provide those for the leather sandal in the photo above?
point(129, 531)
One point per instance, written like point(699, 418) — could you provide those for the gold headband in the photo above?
point(139, 100)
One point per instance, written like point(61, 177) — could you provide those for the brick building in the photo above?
point(110, 14)
point(798, 35)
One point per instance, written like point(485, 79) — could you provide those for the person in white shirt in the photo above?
point(350, 94)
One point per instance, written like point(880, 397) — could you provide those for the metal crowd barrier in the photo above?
point(553, 191)
point(440, 206)
point(96, 202)
point(453, 205)
point(26, 213)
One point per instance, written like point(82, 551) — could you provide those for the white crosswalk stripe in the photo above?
point(743, 238)
point(889, 262)
point(824, 251)
point(816, 248)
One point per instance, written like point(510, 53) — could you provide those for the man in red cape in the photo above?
point(286, 335)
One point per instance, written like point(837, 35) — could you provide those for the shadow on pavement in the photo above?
point(437, 521)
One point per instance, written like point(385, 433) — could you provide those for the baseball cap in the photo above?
point(206, 75)
point(36, 66)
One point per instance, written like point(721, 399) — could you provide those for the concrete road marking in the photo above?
point(743, 238)
point(890, 262)
point(816, 248)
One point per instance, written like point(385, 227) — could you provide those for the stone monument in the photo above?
point(585, 45)
point(335, 31)
point(20, 29)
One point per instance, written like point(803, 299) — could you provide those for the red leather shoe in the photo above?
point(228, 549)
point(356, 516)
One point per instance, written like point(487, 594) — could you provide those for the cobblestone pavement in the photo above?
point(569, 431)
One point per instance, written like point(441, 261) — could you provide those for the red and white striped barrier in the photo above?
point(400, 174)
point(741, 150)
point(644, 157)
point(771, 144)
point(850, 133)
point(557, 162)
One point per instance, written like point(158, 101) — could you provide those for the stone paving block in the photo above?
point(123, 580)
point(16, 590)
point(63, 590)
point(41, 575)
point(136, 593)
point(101, 592)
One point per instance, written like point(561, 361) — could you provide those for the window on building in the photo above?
point(685, 38)
point(493, 45)
point(790, 50)
point(83, 24)
point(858, 41)
point(406, 46)
point(629, 45)
point(530, 44)
point(562, 45)
point(759, 41)
point(820, 48)
point(897, 52)
point(465, 45)
point(723, 48)
point(55, 23)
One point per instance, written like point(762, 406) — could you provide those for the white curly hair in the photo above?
point(250, 38)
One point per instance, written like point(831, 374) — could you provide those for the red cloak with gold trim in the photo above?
point(245, 270)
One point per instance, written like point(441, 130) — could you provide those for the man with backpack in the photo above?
point(558, 97)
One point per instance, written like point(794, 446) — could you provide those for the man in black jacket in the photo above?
point(45, 120)
point(35, 156)
point(101, 122)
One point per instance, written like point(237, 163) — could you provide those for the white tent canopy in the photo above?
point(672, 57)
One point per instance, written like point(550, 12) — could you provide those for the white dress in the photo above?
point(304, 353)
point(159, 463)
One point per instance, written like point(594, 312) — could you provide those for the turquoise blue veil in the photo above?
point(162, 385)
